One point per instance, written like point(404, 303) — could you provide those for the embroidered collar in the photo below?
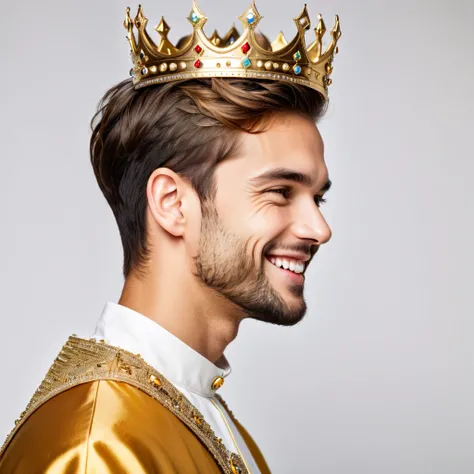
point(124, 327)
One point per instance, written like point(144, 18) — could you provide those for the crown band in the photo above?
point(233, 55)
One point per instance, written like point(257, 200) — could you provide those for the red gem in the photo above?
point(198, 63)
point(245, 48)
point(198, 49)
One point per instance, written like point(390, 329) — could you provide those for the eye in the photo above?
point(283, 191)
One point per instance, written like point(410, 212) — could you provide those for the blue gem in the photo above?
point(132, 72)
point(144, 71)
point(297, 69)
point(250, 18)
point(194, 17)
point(246, 61)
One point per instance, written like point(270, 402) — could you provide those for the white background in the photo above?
point(378, 379)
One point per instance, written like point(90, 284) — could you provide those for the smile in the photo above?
point(295, 269)
point(295, 266)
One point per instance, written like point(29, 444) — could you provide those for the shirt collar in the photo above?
point(124, 327)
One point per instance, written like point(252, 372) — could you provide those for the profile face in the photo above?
point(253, 220)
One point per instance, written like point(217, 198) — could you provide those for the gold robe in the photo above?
point(101, 409)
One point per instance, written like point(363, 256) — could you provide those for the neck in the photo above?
point(198, 316)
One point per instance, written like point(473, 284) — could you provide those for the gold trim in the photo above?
point(234, 470)
point(81, 361)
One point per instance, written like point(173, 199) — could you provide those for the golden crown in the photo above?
point(233, 54)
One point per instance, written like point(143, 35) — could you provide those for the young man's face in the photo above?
point(248, 222)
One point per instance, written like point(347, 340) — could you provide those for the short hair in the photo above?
point(187, 126)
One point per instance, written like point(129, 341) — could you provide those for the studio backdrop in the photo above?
point(378, 377)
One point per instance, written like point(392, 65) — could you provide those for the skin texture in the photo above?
point(208, 270)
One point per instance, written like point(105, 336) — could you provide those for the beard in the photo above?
point(226, 264)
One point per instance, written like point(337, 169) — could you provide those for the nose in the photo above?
point(310, 224)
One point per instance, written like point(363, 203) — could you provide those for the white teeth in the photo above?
point(295, 266)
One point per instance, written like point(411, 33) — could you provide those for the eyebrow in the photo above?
point(287, 175)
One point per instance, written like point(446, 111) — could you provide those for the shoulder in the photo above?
point(59, 435)
point(100, 406)
point(98, 426)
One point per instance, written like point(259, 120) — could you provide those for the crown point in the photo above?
point(337, 29)
point(302, 20)
point(280, 42)
point(140, 18)
point(197, 17)
point(197, 9)
point(250, 17)
point(230, 36)
point(320, 29)
point(215, 39)
point(128, 21)
point(163, 28)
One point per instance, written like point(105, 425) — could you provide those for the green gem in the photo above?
point(297, 56)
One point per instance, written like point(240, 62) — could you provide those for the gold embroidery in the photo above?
point(85, 360)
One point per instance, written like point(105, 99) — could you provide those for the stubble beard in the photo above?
point(223, 263)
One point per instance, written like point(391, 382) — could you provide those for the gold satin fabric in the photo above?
point(107, 426)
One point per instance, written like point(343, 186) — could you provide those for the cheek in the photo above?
point(272, 222)
point(265, 230)
point(248, 220)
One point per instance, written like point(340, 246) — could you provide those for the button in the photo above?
point(217, 383)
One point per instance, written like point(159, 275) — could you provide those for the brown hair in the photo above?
point(189, 127)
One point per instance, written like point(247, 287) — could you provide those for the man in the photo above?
point(214, 169)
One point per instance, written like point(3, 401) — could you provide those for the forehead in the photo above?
point(292, 141)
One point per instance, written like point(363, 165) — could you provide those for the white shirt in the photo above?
point(190, 372)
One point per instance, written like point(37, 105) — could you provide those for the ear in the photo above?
point(165, 191)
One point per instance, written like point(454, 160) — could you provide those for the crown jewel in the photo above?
point(234, 54)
